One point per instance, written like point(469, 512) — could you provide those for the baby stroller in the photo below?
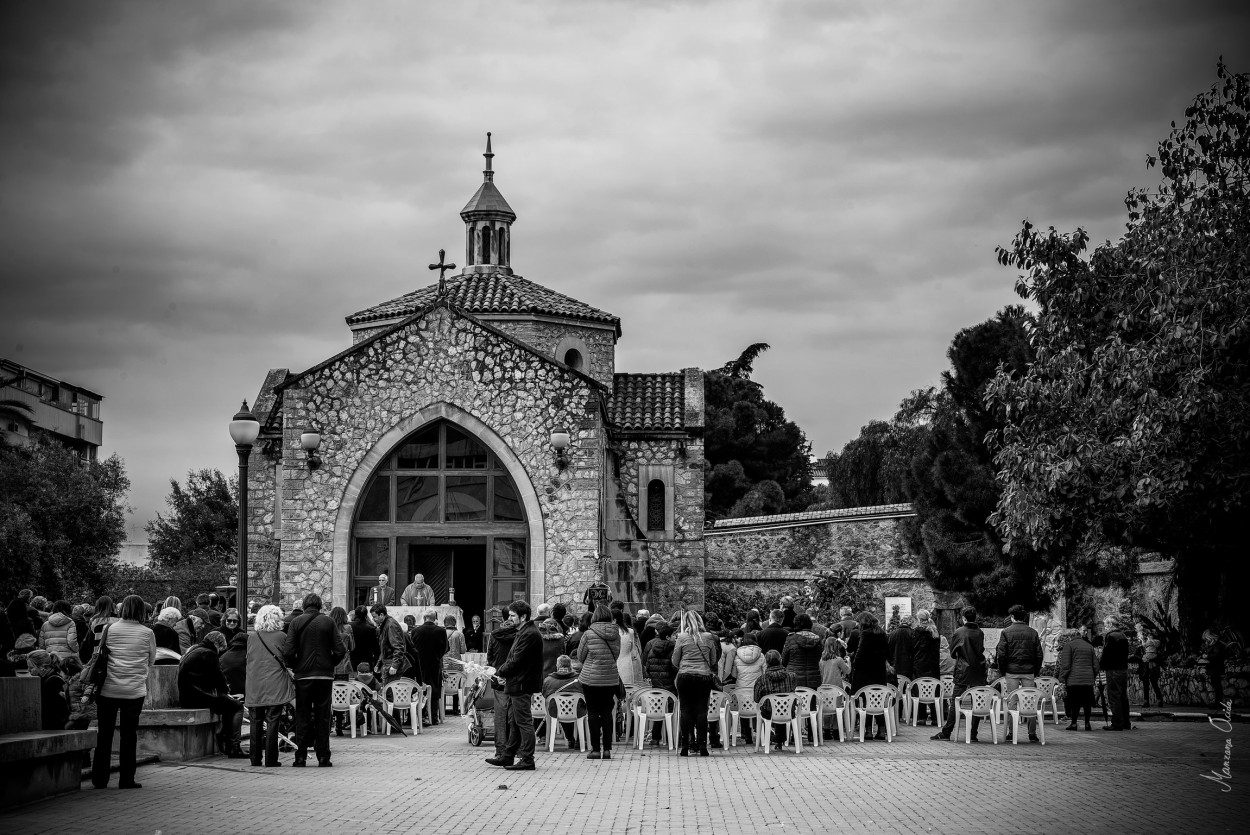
point(479, 702)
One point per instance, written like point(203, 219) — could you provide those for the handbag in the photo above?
point(96, 670)
point(717, 684)
point(281, 663)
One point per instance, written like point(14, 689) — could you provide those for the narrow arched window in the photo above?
point(485, 246)
point(655, 505)
point(504, 244)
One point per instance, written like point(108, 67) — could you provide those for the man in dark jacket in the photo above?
point(787, 612)
point(774, 635)
point(1114, 663)
point(1019, 659)
point(429, 641)
point(523, 676)
point(392, 648)
point(499, 644)
point(968, 650)
point(314, 648)
point(201, 684)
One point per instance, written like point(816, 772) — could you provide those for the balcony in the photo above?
point(69, 420)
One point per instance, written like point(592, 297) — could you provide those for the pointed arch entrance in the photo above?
point(441, 495)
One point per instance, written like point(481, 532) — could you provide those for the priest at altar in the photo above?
point(418, 593)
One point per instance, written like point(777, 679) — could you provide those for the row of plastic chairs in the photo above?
point(397, 697)
point(936, 692)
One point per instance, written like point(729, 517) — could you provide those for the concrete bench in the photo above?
point(35, 763)
point(173, 733)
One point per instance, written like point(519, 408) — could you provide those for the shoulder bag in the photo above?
point(94, 674)
point(281, 663)
point(717, 684)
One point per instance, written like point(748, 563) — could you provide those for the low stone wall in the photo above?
point(1192, 686)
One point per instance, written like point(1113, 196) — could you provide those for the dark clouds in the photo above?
point(196, 192)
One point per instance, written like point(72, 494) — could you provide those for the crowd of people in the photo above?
point(282, 670)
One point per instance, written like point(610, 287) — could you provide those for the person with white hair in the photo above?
point(268, 687)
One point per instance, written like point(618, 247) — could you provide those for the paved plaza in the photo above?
point(1144, 781)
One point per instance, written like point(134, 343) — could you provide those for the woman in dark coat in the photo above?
point(801, 653)
point(868, 665)
point(924, 658)
point(365, 634)
point(201, 684)
point(658, 666)
point(46, 667)
point(234, 664)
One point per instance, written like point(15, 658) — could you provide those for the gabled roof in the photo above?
point(648, 401)
point(811, 517)
point(487, 199)
point(444, 302)
point(487, 293)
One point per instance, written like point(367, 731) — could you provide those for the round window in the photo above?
point(573, 359)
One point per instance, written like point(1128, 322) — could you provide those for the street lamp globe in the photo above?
point(244, 427)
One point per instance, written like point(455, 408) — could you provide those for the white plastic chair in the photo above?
point(807, 712)
point(948, 687)
point(453, 685)
point(999, 685)
point(982, 702)
point(1027, 701)
point(346, 699)
point(655, 706)
point(781, 712)
point(563, 707)
point(833, 700)
point(925, 691)
point(877, 700)
point(538, 712)
point(904, 698)
point(403, 694)
point(427, 701)
point(741, 707)
point(363, 693)
point(1051, 688)
point(718, 712)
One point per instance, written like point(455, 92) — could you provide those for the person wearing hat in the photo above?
point(201, 684)
point(1114, 663)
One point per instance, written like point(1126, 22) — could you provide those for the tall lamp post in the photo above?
point(244, 428)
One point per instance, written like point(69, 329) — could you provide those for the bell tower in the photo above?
point(488, 223)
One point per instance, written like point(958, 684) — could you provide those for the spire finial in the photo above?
point(488, 174)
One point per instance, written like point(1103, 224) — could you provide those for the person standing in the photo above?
point(695, 653)
point(456, 648)
point(497, 649)
point(901, 643)
point(801, 653)
point(365, 645)
point(868, 665)
point(473, 635)
point(1018, 658)
point(926, 662)
point(1114, 663)
point(382, 593)
point(268, 686)
point(429, 641)
point(774, 635)
point(393, 656)
point(131, 650)
point(967, 648)
point(1216, 652)
point(597, 653)
point(1149, 670)
point(1078, 670)
point(314, 648)
point(417, 592)
point(522, 673)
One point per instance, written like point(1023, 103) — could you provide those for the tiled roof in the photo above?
point(904, 509)
point(753, 573)
point(488, 199)
point(648, 401)
point(480, 293)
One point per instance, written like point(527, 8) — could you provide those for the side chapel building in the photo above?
point(437, 450)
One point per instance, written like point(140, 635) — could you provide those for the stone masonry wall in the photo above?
point(873, 543)
point(440, 358)
point(545, 336)
point(677, 565)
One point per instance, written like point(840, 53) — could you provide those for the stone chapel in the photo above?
point(442, 427)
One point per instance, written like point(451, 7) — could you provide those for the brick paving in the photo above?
point(1144, 781)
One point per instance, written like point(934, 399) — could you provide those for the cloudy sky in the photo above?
point(196, 192)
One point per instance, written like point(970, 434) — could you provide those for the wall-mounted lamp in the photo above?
point(560, 443)
point(310, 441)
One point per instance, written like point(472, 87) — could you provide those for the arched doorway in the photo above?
point(441, 503)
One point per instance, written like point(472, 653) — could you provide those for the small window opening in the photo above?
point(655, 505)
point(573, 359)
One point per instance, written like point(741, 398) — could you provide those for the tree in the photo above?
point(1133, 425)
point(951, 481)
point(748, 442)
point(62, 521)
point(202, 525)
point(872, 469)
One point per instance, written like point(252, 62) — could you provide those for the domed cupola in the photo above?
point(488, 226)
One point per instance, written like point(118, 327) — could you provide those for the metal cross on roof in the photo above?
point(442, 268)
